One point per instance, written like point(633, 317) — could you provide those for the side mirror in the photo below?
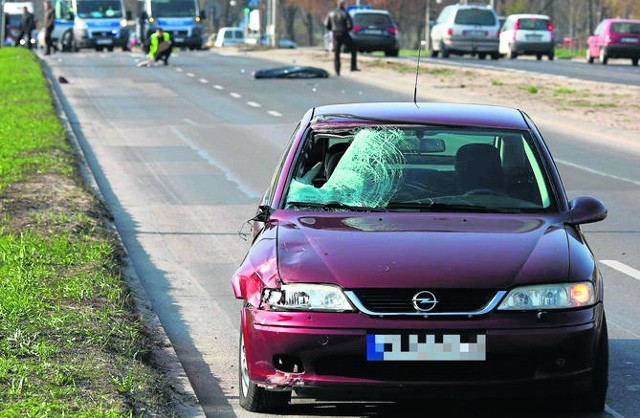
point(584, 210)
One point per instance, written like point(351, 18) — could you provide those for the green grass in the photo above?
point(71, 343)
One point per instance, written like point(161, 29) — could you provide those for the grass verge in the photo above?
point(71, 340)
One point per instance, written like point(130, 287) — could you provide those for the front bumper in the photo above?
point(327, 352)
point(103, 39)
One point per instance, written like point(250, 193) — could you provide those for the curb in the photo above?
point(164, 358)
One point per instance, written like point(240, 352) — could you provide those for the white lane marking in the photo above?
point(274, 113)
point(218, 87)
point(205, 81)
point(254, 104)
point(244, 188)
point(623, 268)
point(190, 122)
point(235, 95)
point(191, 74)
point(600, 173)
point(179, 70)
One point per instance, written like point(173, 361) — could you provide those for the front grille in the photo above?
point(453, 301)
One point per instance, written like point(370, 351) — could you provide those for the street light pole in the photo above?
point(2, 25)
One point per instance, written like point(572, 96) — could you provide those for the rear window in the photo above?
point(372, 19)
point(533, 24)
point(478, 17)
point(625, 27)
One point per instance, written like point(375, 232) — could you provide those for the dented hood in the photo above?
point(438, 250)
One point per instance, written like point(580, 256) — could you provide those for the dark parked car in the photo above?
point(615, 38)
point(373, 30)
point(405, 249)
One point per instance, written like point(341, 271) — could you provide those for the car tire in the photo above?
point(634, 62)
point(495, 56)
point(66, 42)
point(391, 53)
point(538, 57)
point(551, 56)
point(589, 57)
point(434, 53)
point(482, 56)
point(252, 397)
point(443, 50)
point(603, 57)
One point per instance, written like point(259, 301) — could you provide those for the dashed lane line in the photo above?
point(274, 113)
point(623, 268)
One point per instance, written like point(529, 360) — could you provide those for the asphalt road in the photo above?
point(182, 153)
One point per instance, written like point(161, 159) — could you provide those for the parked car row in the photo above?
point(465, 29)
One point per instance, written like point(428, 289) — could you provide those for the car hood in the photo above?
point(391, 250)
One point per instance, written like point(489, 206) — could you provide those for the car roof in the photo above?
point(528, 15)
point(376, 11)
point(455, 114)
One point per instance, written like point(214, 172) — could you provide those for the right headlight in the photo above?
point(307, 297)
point(549, 296)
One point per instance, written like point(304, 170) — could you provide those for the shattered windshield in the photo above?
point(419, 168)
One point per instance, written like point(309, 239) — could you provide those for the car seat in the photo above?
point(333, 156)
point(478, 168)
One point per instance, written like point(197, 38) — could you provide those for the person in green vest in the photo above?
point(159, 44)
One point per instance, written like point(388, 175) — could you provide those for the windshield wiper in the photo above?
point(431, 206)
point(336, 205)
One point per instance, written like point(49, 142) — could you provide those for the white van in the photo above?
point(229, 36)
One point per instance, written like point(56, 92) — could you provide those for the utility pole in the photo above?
point(427, 26)
point(2, 24)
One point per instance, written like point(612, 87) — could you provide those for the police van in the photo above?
point(95, 24)
point(182, 19)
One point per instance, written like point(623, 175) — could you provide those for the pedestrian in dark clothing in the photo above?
point(339, 22)
point(49, 24)
point(27, 25)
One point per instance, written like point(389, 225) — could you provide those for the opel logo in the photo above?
point(424, 301)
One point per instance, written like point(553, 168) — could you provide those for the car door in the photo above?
point(595, 41)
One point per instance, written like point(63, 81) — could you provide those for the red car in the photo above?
point(419, 249)
point(615, 38)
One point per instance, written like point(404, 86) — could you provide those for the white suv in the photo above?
point(466, 29)
point(527, 34)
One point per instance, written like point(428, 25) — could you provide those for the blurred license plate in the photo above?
point(533, 37)
point(629, 40)
point(372, 32)
point(426, 347)
point(473, 33)
point(179, 39)
point(104, 41)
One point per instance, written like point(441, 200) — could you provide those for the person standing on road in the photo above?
point(27, 25)
point(339, 22)
point(49, 24)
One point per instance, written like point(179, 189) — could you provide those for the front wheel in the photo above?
point(634, 62)
point(252, 397)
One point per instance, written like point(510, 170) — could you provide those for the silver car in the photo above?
point(466, 30)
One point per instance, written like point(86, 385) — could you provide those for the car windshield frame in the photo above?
point(308, 181)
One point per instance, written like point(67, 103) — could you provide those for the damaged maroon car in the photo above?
point(406, 250)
